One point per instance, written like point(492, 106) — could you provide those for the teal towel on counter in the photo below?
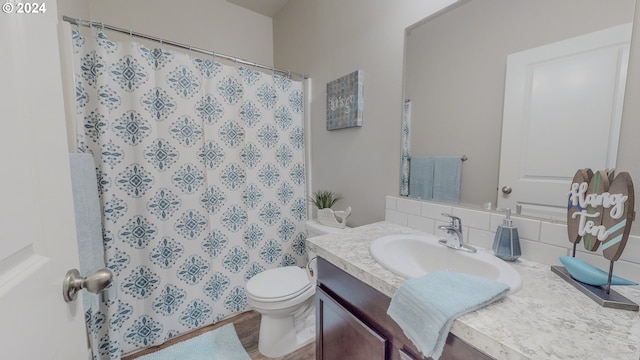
point(421, 177)
point(447, 173)
point(426, 307)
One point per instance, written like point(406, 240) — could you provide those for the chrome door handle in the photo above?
point(506, 190)
point(73, 283)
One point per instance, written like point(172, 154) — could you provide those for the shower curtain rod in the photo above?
point(92, 23)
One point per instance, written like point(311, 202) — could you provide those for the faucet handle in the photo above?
point(453, 218)
point(448, 215)
point(455, 221)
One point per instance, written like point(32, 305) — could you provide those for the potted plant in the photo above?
point(324, 200)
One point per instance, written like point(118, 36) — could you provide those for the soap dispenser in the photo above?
point(506, 244)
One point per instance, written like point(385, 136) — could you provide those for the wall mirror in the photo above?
point(455, 79)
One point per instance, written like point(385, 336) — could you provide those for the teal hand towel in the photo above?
point(447, 174)
point(426, 307)
point(421, 177)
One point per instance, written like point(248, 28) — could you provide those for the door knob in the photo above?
point(506, 190)
point(73, 283)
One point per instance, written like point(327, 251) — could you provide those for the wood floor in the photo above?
point(247, 326)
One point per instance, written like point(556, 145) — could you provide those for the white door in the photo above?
point(37, 226)
point(562, 112)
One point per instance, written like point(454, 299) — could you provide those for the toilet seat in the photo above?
point(279, 284)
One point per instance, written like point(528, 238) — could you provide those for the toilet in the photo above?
point(284, 299)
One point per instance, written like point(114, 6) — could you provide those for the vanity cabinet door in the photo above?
point(352, 323)
point(340, 335)
point(404, 356)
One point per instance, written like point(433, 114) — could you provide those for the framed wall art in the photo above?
point(345, 101)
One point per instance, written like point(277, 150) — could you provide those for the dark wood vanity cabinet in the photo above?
point(344, 336)
point(352, 323)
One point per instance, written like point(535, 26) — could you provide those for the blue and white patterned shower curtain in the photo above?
point(201, 177)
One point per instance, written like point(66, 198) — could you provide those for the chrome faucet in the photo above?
point(455, 239)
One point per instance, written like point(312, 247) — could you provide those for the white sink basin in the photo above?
point(412, 256)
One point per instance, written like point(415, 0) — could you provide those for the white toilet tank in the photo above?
point(314, 228)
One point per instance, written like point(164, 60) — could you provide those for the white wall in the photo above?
point(78, 9)
point(331, 38)
point(209, 24)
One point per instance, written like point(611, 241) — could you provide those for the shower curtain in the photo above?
point(201, 177)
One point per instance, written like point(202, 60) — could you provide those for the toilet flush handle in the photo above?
point(309, 269)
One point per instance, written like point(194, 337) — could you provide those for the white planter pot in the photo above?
point(333, 218)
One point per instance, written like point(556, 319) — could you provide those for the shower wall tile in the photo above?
point(632, 250)
point(626, 269)
point(527, 228)
point(554, 234)
point(473, 218)
point(421, 223)
point(434, 211)
point(542, 253)
point(396, 217)
point(408, 206)
point(481, 238)
point(390, 202)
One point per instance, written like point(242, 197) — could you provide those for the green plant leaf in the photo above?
point(323, 199)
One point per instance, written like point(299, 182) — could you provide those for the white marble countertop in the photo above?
point(547, 319)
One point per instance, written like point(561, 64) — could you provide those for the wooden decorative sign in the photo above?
point(600, 212)
point(582, 176)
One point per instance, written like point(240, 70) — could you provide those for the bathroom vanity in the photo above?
point(546, 319)
point(352, 323)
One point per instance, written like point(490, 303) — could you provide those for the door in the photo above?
point(37, 241)
point(562, 112)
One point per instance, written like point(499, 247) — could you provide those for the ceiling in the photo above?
point(268, 8)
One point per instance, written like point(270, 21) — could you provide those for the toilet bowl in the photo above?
point(284, 297)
